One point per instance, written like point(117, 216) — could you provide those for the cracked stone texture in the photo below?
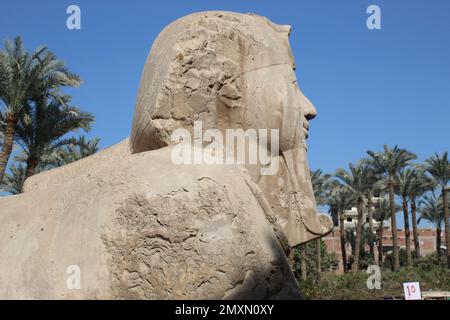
point(141, 227)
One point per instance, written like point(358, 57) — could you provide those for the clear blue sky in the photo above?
point(370, 87)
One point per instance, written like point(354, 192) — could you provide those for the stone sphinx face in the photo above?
point(278, 103)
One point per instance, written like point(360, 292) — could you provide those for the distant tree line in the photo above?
point(419, 190)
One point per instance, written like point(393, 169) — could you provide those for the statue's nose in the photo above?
point(309, 111)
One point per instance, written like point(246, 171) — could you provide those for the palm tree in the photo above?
point(381, 214)
point(389, 162)
point(341, 199)
point(419, 184)
point(430, 208)
point(357, 179)
point(24, 78)
point(320, 183)
point(439, 168)
point(372, 186)
point(402, 187)
point(43, 131)
point(16, 68)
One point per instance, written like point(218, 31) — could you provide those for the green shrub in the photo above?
point(388, 262)
point(430, 272)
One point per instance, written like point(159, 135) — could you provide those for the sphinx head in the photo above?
point(227, 71)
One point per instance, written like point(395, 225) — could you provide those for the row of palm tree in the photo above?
point(392, 173)
point(35, 114)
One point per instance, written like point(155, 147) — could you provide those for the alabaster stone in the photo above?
point(139, 226)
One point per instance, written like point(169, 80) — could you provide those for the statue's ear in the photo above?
point(230, 95)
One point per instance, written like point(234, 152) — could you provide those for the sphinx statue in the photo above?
point(132, 224)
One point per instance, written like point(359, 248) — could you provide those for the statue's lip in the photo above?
point(306, 124)
point(306, 128)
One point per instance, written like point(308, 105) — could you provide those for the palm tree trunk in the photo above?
point(8, 142)
point(407, 235)
point(318, 260)
point(414, 224)
point(370, 217)
point(380, 245)
point(438, 241)
point(303, 265)
point(446, 224)
point(342, 236)
point(393, 224)
point(355, 266)
point(31, 167)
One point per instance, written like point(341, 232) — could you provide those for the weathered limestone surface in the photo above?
point(140, 226)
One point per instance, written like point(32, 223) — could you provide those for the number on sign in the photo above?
point(411, 290)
